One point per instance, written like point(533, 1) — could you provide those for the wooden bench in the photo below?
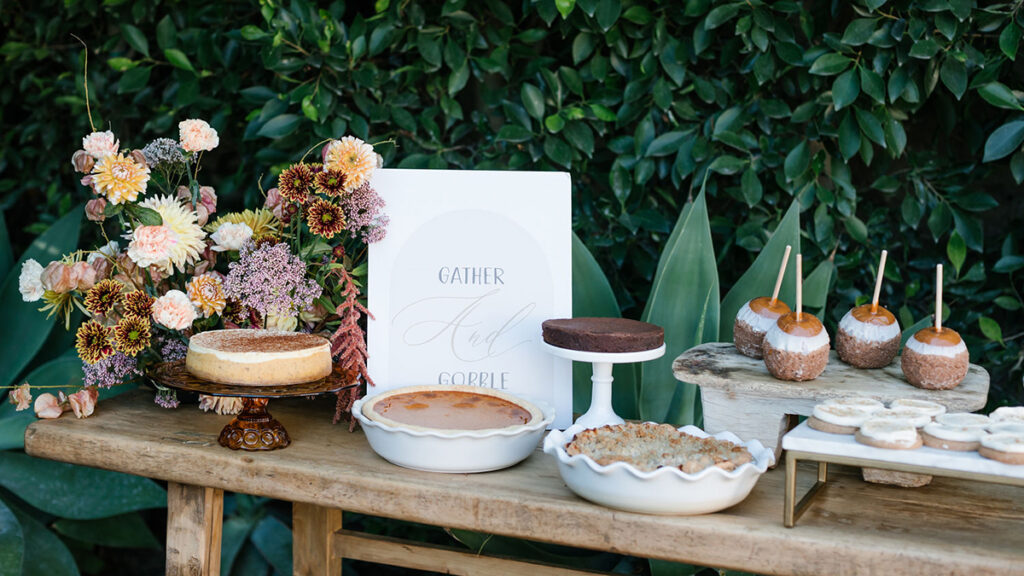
point(950, 527)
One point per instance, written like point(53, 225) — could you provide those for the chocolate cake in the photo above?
point(935, 359)
point(602, 334)
point(258, 357)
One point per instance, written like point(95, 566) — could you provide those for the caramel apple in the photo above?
point(935, 359)
point(753, 321)
point(796, 347)
point(868, 338)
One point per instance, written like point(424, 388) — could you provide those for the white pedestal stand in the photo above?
point(601, 411)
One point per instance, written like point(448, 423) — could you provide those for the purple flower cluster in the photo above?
point(173, 349)
point(270, 280)
point(110, 371)
point(166, 399)
point(364, 214)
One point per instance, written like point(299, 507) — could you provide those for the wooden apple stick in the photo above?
point(782, 272)
point(878, 282)
point(938, 298)
point(799, 286)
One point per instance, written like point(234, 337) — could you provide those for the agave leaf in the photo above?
point(917, 326)
point(592, 296)
point(759, 279)
point(684, 301)
point(816, 287)
point(6, 254)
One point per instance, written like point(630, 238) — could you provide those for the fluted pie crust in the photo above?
point(258, 357)
point(441, 424)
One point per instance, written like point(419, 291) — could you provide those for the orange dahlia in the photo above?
point(120, 179)
point(353, 158)
point(207, 294)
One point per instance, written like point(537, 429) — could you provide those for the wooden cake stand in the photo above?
point(254, 428)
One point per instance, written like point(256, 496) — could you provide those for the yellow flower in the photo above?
point(354, 158)
point(207, 294)
point(120, 179)
point(183, 222)
point(261, 221)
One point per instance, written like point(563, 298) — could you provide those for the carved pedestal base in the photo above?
point(254, 429)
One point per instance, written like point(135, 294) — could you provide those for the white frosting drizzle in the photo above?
point(1011, 427)
point(1008, 414)
point(756, 322)
point(1004, 442)
point(862, 402)
point(841, 415)
point(955, 433)
point(890, 430)
point(867, 332)
point(947, 351)
point(909, 415)
point(963, 419)
point(789, 343)
point(924, 406)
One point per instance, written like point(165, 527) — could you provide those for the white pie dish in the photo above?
point(666, 490)
point(454, 452)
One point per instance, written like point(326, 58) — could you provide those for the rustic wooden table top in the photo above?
point(949, 527)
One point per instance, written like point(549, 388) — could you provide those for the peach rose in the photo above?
point(47, 406)
point(83, 402)
point(83, 275)
point(197, 135)
point(275, 203)
point(82, 161)
point(21, 396)
point(174, 310)
point(57, 277)
point(94, 209)
point(100, 144)
point(151, 245)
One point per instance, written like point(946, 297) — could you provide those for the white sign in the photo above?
point(473, 262)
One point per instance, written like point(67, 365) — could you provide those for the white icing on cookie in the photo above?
point(947, 351)
point(841, 415)
point(1008, 414)
point(756, 322)
point(1004, 442)
point(862, 402)
point(868, 332)
point(955, 433)
point(1010, 427)
point(789, 343)
point(932, 409)
point(963, 420)
point(890, 431)
point(916, 417)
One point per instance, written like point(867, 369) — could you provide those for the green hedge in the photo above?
point(895, 124)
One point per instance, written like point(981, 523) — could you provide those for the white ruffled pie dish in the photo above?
point(454, 452)
point(666, 490)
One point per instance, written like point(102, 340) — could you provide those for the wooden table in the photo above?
point(949, 527)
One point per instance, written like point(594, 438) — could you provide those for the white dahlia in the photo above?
point(184, 223)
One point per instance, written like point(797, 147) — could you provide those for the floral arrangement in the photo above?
point(168, 270)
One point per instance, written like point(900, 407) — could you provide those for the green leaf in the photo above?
point(274, 541)
point(954, 75)
point(721, 15)
point(582, 47)
point(1004, 141)
point(895, 136)
point(872, 85)
point(817, 287)
point(608, 13)
point(457, 80)
point(280, 126)
point(870, 126)
point(914, 329)
point(1009, 263)
point(121, 64)
point(145, 216)
point(514, 133)
point(638, 15)
point(728, 165)
point(309, 110)
point(533, 100)
point(956, 251)
point(166, 33)
point(925, 49)
point(23, 318)
point(759, 279)
point(751, 187)
point(134, 79)
point(999, 95)
point(178, 59)
point(857, 229)
point(135, 38)
point(121, 531)
point(991, 329)
point(554, 123)
point(429, 47)
point(1009, 39)
point(50, 556)
point(849, 137)
point(845, 89)
point(858, 31)
point(6, 253)
point(666, 144)
point(558, 151)
point(234, 533)
point(12, 543)
point(251, 32)
point(592, 296)
point(830, 64)
point(684, 300)
point(565, 7)
point(44, 484)
point(1008, 303)
point(1017, 167)
point(797, 161)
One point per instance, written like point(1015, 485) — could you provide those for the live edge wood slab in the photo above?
point(949, 527)
point(739, 395)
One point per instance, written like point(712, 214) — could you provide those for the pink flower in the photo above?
point(197, 135)
point(174, 310)
point(275, 203)
point(83, 402)
point(151, 245)
point(206, 205)
point(22, 397)
point(57, 277)
point(47, 406)
point(83, 275)
point(230, 236)
point(94, 209)
point(100, 144)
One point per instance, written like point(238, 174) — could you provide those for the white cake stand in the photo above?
point(601, 412)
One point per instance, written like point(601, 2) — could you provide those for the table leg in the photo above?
point(313, 529)
point(194, 516)
point(794, 510)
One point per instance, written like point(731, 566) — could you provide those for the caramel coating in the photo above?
point(808, 325)
point(944, 337)
point(763, 306)
point(880, 317)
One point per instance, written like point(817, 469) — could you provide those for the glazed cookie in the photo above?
point(1011, 427)
point(957, 432)
point(1005, 447)
point(862, 402)
point(1008, 414)
point(914, 416)
point(933, 409)
point(891, 433)
point(837, 419)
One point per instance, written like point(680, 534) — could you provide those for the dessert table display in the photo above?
point(739, 395)
point(853, 528)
